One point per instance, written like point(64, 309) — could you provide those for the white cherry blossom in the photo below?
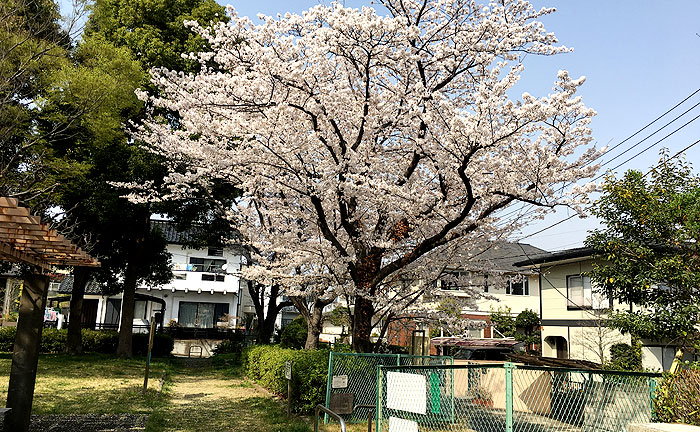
point(367, 147)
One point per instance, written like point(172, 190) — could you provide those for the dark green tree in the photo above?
point(123, 40)
point(294, 333)
point(525, 327)
point(648, 254)
point(33, 47)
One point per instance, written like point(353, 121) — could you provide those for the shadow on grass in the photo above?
point(253, 414)
point(93, 400)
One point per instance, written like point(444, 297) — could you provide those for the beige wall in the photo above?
point(584, 329)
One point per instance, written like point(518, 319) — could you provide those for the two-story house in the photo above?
point(516, 288)
point(493, 273)
point(573, 314)
point(206, 292)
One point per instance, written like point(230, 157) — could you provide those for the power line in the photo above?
point(654, 133)
point(635, 145)
point(678, 153)
point(657, 119)
point(650, 146)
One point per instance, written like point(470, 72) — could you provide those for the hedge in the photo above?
point(265, 365)
point(53, 341)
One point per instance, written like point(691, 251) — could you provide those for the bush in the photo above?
point(54, 341)
point(7, 338)
point(100, 341)
point(625, 357)
point(294, 334)
point(677, 398)
point(265, 365)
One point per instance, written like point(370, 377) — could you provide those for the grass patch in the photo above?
point(207, 395)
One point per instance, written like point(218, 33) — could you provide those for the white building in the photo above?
point(206, 291)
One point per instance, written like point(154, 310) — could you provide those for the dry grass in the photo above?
point(211, 398)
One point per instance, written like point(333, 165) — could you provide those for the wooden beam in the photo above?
point(21, 256)
point(24, 238)
point(9, 202)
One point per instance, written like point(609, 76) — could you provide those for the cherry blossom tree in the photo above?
point(366, 145)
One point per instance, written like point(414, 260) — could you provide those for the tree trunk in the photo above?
point(74, 341)
point(266, 328)
point(362, 325)
point(266, 323)
point(25, 355)
point(314, 325)
point(126, 326)
point(313, 314)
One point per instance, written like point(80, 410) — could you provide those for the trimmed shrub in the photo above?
point(54, 341)
point(7, 338)
point(265, 365)
point(100, 341)
point(625, 357)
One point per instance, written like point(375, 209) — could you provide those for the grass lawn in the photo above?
point(215, 397)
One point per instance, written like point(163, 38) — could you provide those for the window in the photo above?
point(213, 277)
point(521, 288)
point(205, 264)
point(180, 276)
point(453, 281)
point(215, 251)
point(139, 309)
point(580, 294)
point(201, 315)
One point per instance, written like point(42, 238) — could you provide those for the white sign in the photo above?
point(288, 370)
point(340, 381)
point(401, 425)
point(406, 392)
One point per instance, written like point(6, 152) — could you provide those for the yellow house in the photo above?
point(573, 315)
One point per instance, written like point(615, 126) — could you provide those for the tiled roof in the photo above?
point(171, 234)
point(501, 256)
point(582, 252)
point(66, 286)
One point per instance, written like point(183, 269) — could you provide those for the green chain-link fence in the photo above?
point(509, 398)
point(356, 374)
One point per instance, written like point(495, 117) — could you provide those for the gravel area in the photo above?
point(89, 423)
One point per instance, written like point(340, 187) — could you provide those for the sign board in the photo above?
point(288, 370)
point(342, 403)
point(400, 425)
point(340, 381)
point(406, 392)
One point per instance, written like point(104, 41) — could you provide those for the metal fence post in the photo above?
point(508, 367)
point(652, 393)
point(328, 386)
point(380, 393)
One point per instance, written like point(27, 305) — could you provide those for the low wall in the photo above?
point(194, 347)
point(662, 427)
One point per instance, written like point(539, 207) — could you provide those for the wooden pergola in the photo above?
point(25, 239)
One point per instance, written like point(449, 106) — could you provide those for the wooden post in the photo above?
point(25, 355)
point(151, 336)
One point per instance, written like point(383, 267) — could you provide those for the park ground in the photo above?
point(209, 395)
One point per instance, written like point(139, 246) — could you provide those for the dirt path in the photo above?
point(212, 400)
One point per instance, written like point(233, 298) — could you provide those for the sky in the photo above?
point(640, 58)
